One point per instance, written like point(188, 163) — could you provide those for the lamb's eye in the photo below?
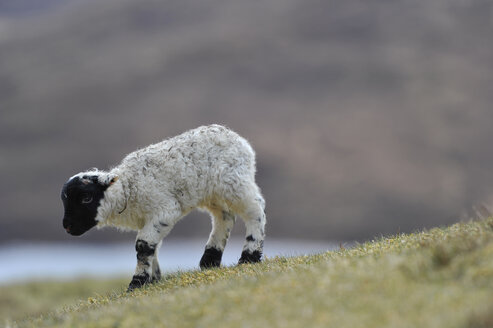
point(86, 199)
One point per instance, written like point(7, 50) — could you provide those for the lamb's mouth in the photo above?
point(75, 233)
point(71, 230)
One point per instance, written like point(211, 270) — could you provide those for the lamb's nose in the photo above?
point(66, 226)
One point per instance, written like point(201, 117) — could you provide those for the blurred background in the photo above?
point(369, 118)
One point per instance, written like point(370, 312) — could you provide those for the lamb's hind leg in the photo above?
point(222, 224)
point(156, 270)
point(254, 217)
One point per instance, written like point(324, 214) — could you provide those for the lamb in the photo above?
point(209, 168)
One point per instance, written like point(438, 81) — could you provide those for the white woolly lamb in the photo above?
point(210, 168)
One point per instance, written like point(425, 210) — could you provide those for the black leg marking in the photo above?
point(247, 257)
point(211, 258)
point(138, 281)
point(250, 238)
point(144, 250)
point(162, 224)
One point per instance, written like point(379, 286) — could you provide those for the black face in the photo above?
point(81, 198)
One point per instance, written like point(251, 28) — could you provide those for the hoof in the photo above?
point(211, 258)
point(247, 257)
point(138, 281)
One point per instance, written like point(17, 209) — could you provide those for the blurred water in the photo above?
point(21, 261)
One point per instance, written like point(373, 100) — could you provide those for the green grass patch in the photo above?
point(21, 300)
point(437, 278)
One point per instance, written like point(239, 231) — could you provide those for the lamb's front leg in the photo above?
point(146, 245)
point(145, 256)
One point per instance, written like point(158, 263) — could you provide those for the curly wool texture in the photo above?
point(210, 168)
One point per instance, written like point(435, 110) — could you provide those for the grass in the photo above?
point(437, 278)
point(35, 298)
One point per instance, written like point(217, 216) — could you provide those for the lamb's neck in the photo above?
point(114, 202)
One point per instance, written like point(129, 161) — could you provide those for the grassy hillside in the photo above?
point(437, 278)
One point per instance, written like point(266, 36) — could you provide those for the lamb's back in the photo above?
point(205, 153)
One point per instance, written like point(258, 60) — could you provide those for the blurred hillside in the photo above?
point(368, 117)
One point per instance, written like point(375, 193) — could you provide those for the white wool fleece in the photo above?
point(210, 168)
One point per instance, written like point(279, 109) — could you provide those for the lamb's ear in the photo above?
point(108, 179)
